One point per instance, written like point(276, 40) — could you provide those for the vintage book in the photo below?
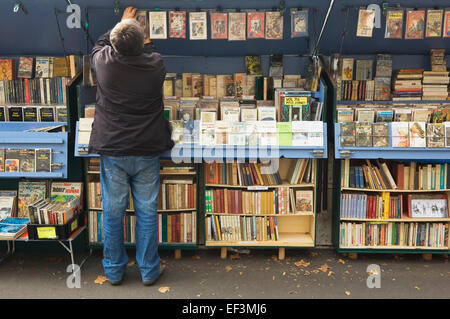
point(2, 159)
point(221, 129)
point(447, 134)
point(267, 132)
point(15, 113)
point(7, 206)
point(347, 134)
point(197, 85)
point(299, 23)
point(394, 24)
point(434, 23)
point(415, 24)
point(177, 24)
point(141, 18)
point(284, 132)
point(255, 25)
point(197, 26)
point(13, 227)
point(191, 132)
point(187, 84)
point(251, 133)
point(421, 115)
point(239, 82)
point(383, 65)
point(266, 113)
point(275, 66)
point(42, 67)
point(363, 134)
point(382, 89)
point(61, 67)
point(384, 116)
point(253, 65)
point(29, 192)
point(43, 159)
point(364, 70)
point(12, 160)
point(249, 115)
point(347, 69)
point(417, 134)
point(7, 69)
point(400, 134)
point(25, 67)
point(236, 26)
point(274, 25)
point(27, 160)
point(365, 115)
point(177, 131)
point(435, 135)
point(345, 114)
point(158, 24)
point(89, 76)
point(427, 206)
point(230, 113)
point(380, 134)
point(3, 113)
point(207, 130)
point(61, 113)
point(366, 19)
point(304, 202)
point(237, 133)
point(446, 31)
point(219, 25)
point(47, 114)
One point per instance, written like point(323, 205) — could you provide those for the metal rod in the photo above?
point(323, 28)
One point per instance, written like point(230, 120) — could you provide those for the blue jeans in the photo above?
point(117, 175)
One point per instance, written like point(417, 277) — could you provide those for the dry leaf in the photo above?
point(341, 261)
point(196, 257)
point(163, 261)
point(417, 288)
point(274, 258)
point(324, 268)
point(235, 256)
point(100, 280)
point(314, 254)
point(131, 263)
point(307, 273)
point(284, 273)
point(348, 293)
point(228, 268)
point(315, 271)
point(163, 290)
point(330, 273)
point(373, 272)
point(273, 277)
point(302, 263)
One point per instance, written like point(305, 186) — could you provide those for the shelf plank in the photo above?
point(262, 215)
point(285, 240)
point(393, 247)
point(268, 186)
point(394, 190)
point(399, 220)
point(342, 102)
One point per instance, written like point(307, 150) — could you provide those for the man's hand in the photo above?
point(129, 13)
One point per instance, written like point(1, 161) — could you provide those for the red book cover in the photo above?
point(409, 205)
point(236, 201)
point(222, 201)
point(26, 89)
point(255, 25)
point(219, 26)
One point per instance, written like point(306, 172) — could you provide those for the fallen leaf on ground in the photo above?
point(100, 280)
point(417, 288)
point(196, 257)
point(307, 273)
point(284, 273)
point(348, 293)
point(373, 272)
point(342, 261)
point(324, 268)
point(235, 256)
point(228, 268)
point(330, 273)
point(163, 290)
point(163, 261)
point(314, 254)
point(274, 258)
point(131, 263)
point(273, 277)
point(302, 263)
point(315, 271)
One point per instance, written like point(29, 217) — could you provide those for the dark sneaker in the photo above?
point(151, 282)
point(118, 282)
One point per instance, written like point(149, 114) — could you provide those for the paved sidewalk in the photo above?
point(319, 273)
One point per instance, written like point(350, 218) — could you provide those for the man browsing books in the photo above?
point(129, 132)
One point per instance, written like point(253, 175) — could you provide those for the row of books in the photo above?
point(395, 175)
point(289, 105)
point(172, 228)
point(240, 228)
point(51, 212)
point(362, 69)
point(417, 84)
point(34, 91)
point(26, 160)
point(29, 113)
point(39, 67)
point(386, 206)
point(177, 194)
point(402, 134)
point(426, 235)
point(282, 200)
point(383, 113)
point(240, 174)
point(228, 85)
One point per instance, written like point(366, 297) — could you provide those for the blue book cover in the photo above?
point(254, 228)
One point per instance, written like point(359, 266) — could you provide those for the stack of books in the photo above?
point(408, 85)
point(435, 85)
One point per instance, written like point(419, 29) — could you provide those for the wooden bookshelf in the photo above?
point(294, 229)
point(93, 175)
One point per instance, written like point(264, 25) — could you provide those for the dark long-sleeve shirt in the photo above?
point(129, 115)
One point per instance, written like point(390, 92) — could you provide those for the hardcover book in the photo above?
point(7, 206)
point(299, 23)
point(43, 159)
point(30, 114)
point(363, 134)
point(347, 134)
point(158, 24)
point(177, 24)
point(304, 202)
point(7, 69)
point(382, 89)
point(435, 135)
point(13, 227)
point(61, 67)
point(417, 134)
point(141, 17)
point(380, 134)
point(221, 132)
point(274, 25)
point(394, 24)
point(255, 25)
point(197, 26)
point(236, 26)
point(415, 24)
point(219, 25)
point(366, 19)
point(434, 23)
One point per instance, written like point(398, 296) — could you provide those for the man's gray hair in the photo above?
point(127, 37)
